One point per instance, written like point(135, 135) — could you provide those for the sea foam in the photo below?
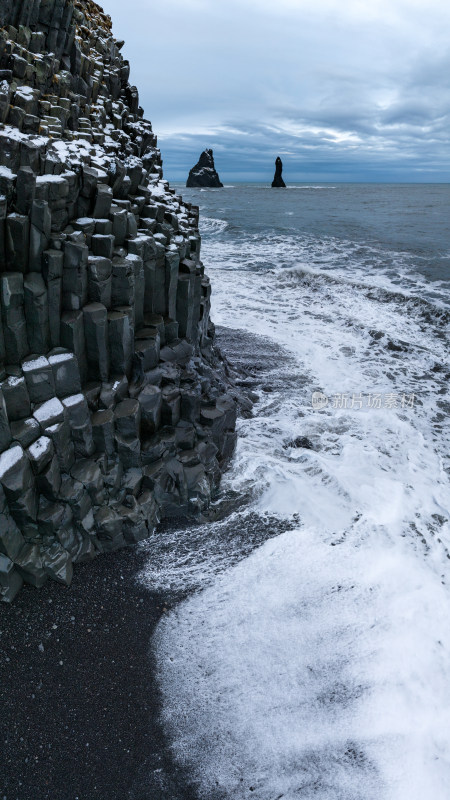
point(317, 667)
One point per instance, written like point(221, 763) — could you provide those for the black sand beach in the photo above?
point(79, 704)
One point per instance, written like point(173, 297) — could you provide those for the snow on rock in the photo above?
point(78, 128)
point(49, 411)
point(35, 363)
point(9, 459)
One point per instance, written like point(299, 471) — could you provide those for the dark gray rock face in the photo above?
point(278, 182)
point(115, 407)
point(204, 173)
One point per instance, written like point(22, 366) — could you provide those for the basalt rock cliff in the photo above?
point(115, 407)
point(204, 173)
point(278, 182)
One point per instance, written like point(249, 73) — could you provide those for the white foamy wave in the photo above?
point(191, 557)
point(212, 227)
point(348, 261)
point(312, 671)
point(311, 187)
point(318, 666)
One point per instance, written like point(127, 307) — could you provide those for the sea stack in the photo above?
point(278, 182)
point(107, 423)
point(204, 173)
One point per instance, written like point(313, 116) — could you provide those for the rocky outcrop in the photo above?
point(204, 173)
point(278, 182)
point(115, 409)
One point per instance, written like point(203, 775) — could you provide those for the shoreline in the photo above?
point(90, 726)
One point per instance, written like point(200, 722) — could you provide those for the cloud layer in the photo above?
point(359, 92)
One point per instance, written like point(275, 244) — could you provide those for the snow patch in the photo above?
point(35, 363)
point(9, 459)
point(41, 445)
point(48, 411)
point(60, 357)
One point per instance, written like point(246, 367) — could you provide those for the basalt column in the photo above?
point(114, 408)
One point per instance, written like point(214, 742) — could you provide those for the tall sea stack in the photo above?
point(278, 182)
point(114, 408)
point(204, 173)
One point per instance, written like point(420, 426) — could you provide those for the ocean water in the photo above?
point(316, 663)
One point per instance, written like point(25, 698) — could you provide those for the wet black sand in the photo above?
point(79, 701)
point(79, 707)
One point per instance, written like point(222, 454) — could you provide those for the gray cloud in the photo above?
point(354, 93)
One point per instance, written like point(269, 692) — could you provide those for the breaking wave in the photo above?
point(314, 664)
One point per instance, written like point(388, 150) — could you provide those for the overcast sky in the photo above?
point(348, 90)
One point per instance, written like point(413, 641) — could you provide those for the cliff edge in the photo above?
point(115, 410)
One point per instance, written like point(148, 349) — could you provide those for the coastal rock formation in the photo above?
point(115, 409)
point(278, 182)
point(204, 173)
